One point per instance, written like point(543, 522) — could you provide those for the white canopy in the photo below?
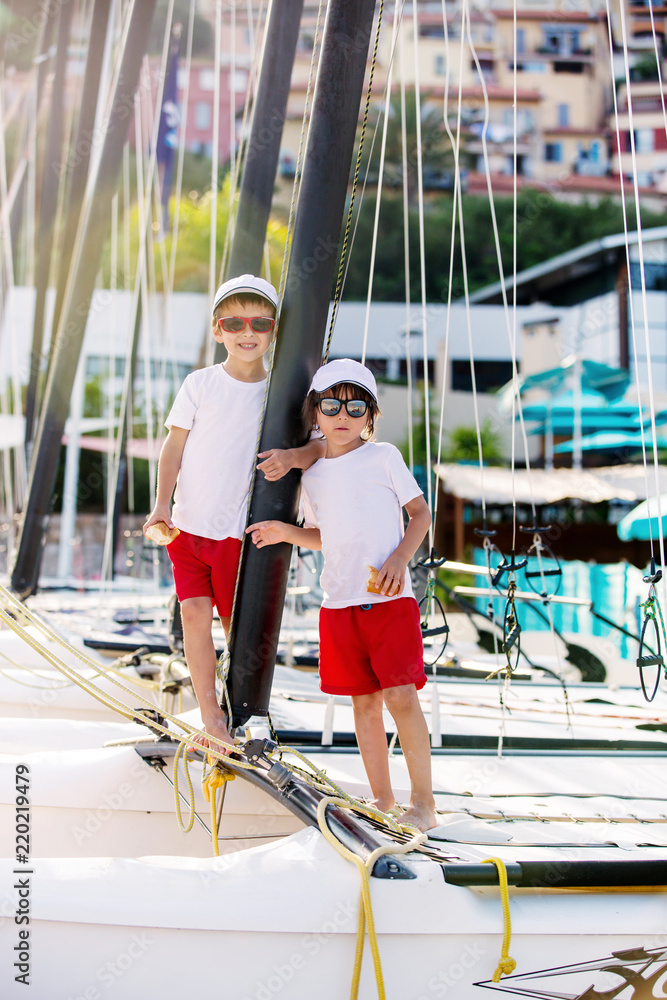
point(541, 486)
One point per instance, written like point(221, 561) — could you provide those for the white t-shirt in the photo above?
point(223, 416)
point(356, 501)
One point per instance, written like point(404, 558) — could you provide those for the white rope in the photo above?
point(658, 61)
point(422, 270)
point(640, 249)
point(450, 283)
point(501, 271)
point(378, 200)
point(406, 259)
point(212, 266)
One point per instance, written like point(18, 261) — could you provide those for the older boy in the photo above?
point(209, 455)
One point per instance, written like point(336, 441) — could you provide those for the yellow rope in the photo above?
point(506, 964)
point(191, 792)
point(365, 917)
point(210, 783)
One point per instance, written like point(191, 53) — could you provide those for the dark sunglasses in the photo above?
point(354, 407)
point(234, 324)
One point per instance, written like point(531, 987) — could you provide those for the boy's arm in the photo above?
point(391, 576)
point(279, 461)
point(168, 467)
point(271, 532)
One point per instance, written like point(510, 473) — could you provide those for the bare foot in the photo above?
point(421, 816)
point(385, 805)
point(224, 742)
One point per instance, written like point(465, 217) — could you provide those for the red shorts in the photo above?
point(368, 648)
point(206, 567)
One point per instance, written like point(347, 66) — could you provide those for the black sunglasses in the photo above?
point(354, 407)
point(234, 324)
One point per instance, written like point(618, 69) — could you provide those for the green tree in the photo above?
point(464, 445)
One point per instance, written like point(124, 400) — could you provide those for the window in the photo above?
point(644, 140)
point(553, 152)
point(521, 40)
point(563, 115)
point(206, 79)
point(440, 67)
point(489, 375)
point(202, 115)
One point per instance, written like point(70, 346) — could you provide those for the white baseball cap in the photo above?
point(248, 283)
point(344, 370)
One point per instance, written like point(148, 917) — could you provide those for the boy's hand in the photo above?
point(391, 576)
point(267, 533)
point(160, 513)
point(277, 462)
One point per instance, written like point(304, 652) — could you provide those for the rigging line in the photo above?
point(181, 149)
point(628, 261)
point(452, 245)
point(298, 167)
point(501, 270)
point(235, 181)
point(406, 257)
point(515, 159)
point(348, 223)
point(464, 266)
point(15, 477)
point(640, 250)
point(140, 290)
point(422, 272)
point(31, 192)
point(178, 188)
point(231, 82)
point(215, 140)
point(363, 188)
point(657, 63)
point(378, 198)
point(127, 252)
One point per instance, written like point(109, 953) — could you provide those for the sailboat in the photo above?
point(557, 798)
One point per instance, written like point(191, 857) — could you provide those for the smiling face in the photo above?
point(246, 348)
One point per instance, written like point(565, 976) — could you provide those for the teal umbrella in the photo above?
point(606, 439)
point(643, 523)
point(592, 376)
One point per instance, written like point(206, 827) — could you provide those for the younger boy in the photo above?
point(209, 455)
point(370, 636)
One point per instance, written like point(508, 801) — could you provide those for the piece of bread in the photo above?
point(371, 583)
point(161, 533)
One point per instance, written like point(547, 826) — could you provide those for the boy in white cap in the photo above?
point(370, 634)
point(209, 456)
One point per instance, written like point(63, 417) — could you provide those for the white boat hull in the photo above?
point(281, 921)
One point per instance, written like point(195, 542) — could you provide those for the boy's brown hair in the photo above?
point(245, 299)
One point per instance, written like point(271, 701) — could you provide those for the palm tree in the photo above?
point(437, 156)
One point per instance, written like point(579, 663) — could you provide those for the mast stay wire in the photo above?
point(422, 268)
point(640, 250)
point(406, 255)
point(236, 175)
point(508, 322)
point(378, 198)
point(357, 167)
point(364, 183)
point(473, 379)
point(140, 292)
point(215, 142)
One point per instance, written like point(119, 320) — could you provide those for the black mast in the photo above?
point(310, 277)
point(93, 227)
